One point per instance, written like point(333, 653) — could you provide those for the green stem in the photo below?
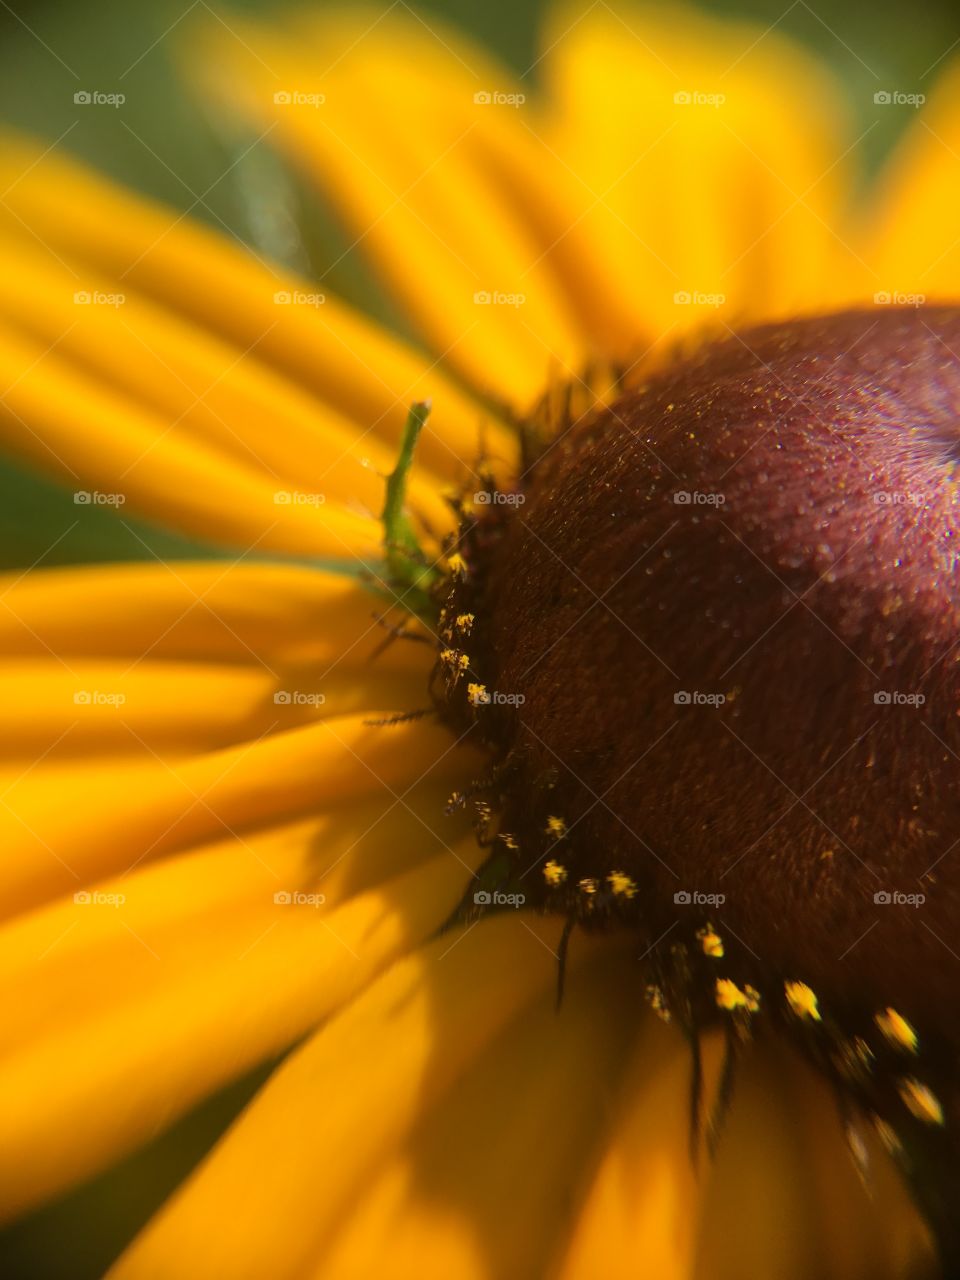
point(406, 564)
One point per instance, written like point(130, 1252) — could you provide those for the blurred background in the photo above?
point(163, 143)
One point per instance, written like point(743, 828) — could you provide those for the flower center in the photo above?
point(715, 652)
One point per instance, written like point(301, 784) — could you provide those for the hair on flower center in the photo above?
point(714, 647)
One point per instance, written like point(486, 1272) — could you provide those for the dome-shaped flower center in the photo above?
point(715, 649)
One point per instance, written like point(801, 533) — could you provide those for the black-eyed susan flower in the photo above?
point(686, 591)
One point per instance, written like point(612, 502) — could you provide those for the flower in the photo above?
point(211, 852)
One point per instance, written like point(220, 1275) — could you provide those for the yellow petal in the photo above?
point(413, 165)
point(90, 434)
point(324, 1123)
point(790, 1196)
point(705, 193)
point(191, 384)
point(244, 612)
point(362, 374)
point(647, 1189)
point(165, 985)
point(491, 1168)
point(909, 220)
point(112, 813)
point(56, 708)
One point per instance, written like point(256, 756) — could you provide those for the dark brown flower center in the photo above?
point(718, 647)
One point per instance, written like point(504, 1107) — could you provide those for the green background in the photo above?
point(162, 143)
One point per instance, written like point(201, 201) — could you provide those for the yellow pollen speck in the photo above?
point(457, 565)
point(463, 661)
point(477, 695)
point(897, 1030)
point(554, 873)
point(886, 1135)
point(711, 943)
point(622, 885)
point(449, 656)
point(921, 1101)
point(730, 997)
point(802, 1001)
point(588, 886)
point(465, 622)
point(509, 840)
point(658, 1003)
point(556, 827)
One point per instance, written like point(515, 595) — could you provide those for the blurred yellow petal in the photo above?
point(647, 1188)
point(355, 1093)
point(90, 434)
point(709, 165)
point(786, 1184)
point(493, 1167)
point(193, 385)
point(210, 974)
point(909, 222)
point(208, 611)
point(52, 709)
point(234, 696)
point(113, 812)
point(411, 162)
point(352, 366)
